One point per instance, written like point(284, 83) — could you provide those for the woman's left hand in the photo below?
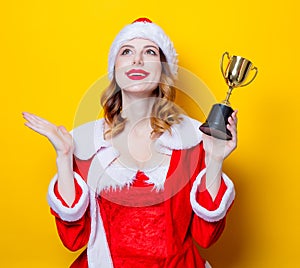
point(217, 149)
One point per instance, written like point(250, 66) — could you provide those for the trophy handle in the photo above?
point(222, 60)
point(256, 71)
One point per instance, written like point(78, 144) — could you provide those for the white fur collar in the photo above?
point(116, 177)
point(89, 137)
point(89, 140)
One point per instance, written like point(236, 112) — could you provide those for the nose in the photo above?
point(138, 59)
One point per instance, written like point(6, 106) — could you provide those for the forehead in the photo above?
point(140, 42)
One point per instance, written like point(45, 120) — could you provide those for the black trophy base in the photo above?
point(215, 124)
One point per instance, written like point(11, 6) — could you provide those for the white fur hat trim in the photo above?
point(143, 28)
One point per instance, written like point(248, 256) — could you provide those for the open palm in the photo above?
point(57, 135)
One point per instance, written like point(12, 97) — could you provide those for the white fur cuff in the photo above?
point(207, 265)
point(220, 212)
point(66, 213)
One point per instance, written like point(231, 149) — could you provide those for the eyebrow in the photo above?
point(147, 46)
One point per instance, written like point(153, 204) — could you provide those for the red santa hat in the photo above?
point(143, 28)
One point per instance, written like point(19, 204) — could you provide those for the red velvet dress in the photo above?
point(156, 236)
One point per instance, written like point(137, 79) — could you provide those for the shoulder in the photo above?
point(88, 138)
point(184, 135)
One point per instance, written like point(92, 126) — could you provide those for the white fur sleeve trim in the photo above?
point(220, 212)
point(66, 213)
point(207, 265)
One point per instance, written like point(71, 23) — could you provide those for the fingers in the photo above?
point(39, 124)
point(63, 130)
point(34, 118)
point(59, 137)
point(232, 126)
point(234, 116)
point(232, 120)
point(33, 122)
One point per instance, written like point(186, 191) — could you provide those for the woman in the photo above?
point(138, 186)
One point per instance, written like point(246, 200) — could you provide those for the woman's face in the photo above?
point(138, 66)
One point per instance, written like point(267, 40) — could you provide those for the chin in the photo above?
point(139, 91)
point(141, 88)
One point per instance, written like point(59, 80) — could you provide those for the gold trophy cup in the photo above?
point(235, 75)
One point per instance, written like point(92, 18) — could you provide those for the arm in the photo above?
point(215, 153)
point(73, 222)
point(210, 215)
point(63, 145)
point(68, 193)
point(212, 192)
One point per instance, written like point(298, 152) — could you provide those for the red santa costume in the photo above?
point(141, 218)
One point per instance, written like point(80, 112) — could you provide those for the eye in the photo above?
point(151, 52)
point(126, 51)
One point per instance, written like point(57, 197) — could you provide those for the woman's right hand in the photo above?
point(60, 138)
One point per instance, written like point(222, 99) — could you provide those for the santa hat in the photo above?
point(143, 28)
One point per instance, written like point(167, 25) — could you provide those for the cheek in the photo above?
point(156, 70)
point(121, 79)
point(122, 62)
point(120, 69)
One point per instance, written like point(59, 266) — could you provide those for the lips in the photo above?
point(137, 74)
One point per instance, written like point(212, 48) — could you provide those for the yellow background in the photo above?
point(53, 51)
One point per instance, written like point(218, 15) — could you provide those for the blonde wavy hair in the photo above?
point(164, 112)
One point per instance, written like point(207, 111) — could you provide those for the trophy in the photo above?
point(235, 75)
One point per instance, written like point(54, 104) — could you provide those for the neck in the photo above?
point(137, 110)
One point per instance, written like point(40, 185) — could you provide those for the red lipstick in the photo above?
point(137, 74)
